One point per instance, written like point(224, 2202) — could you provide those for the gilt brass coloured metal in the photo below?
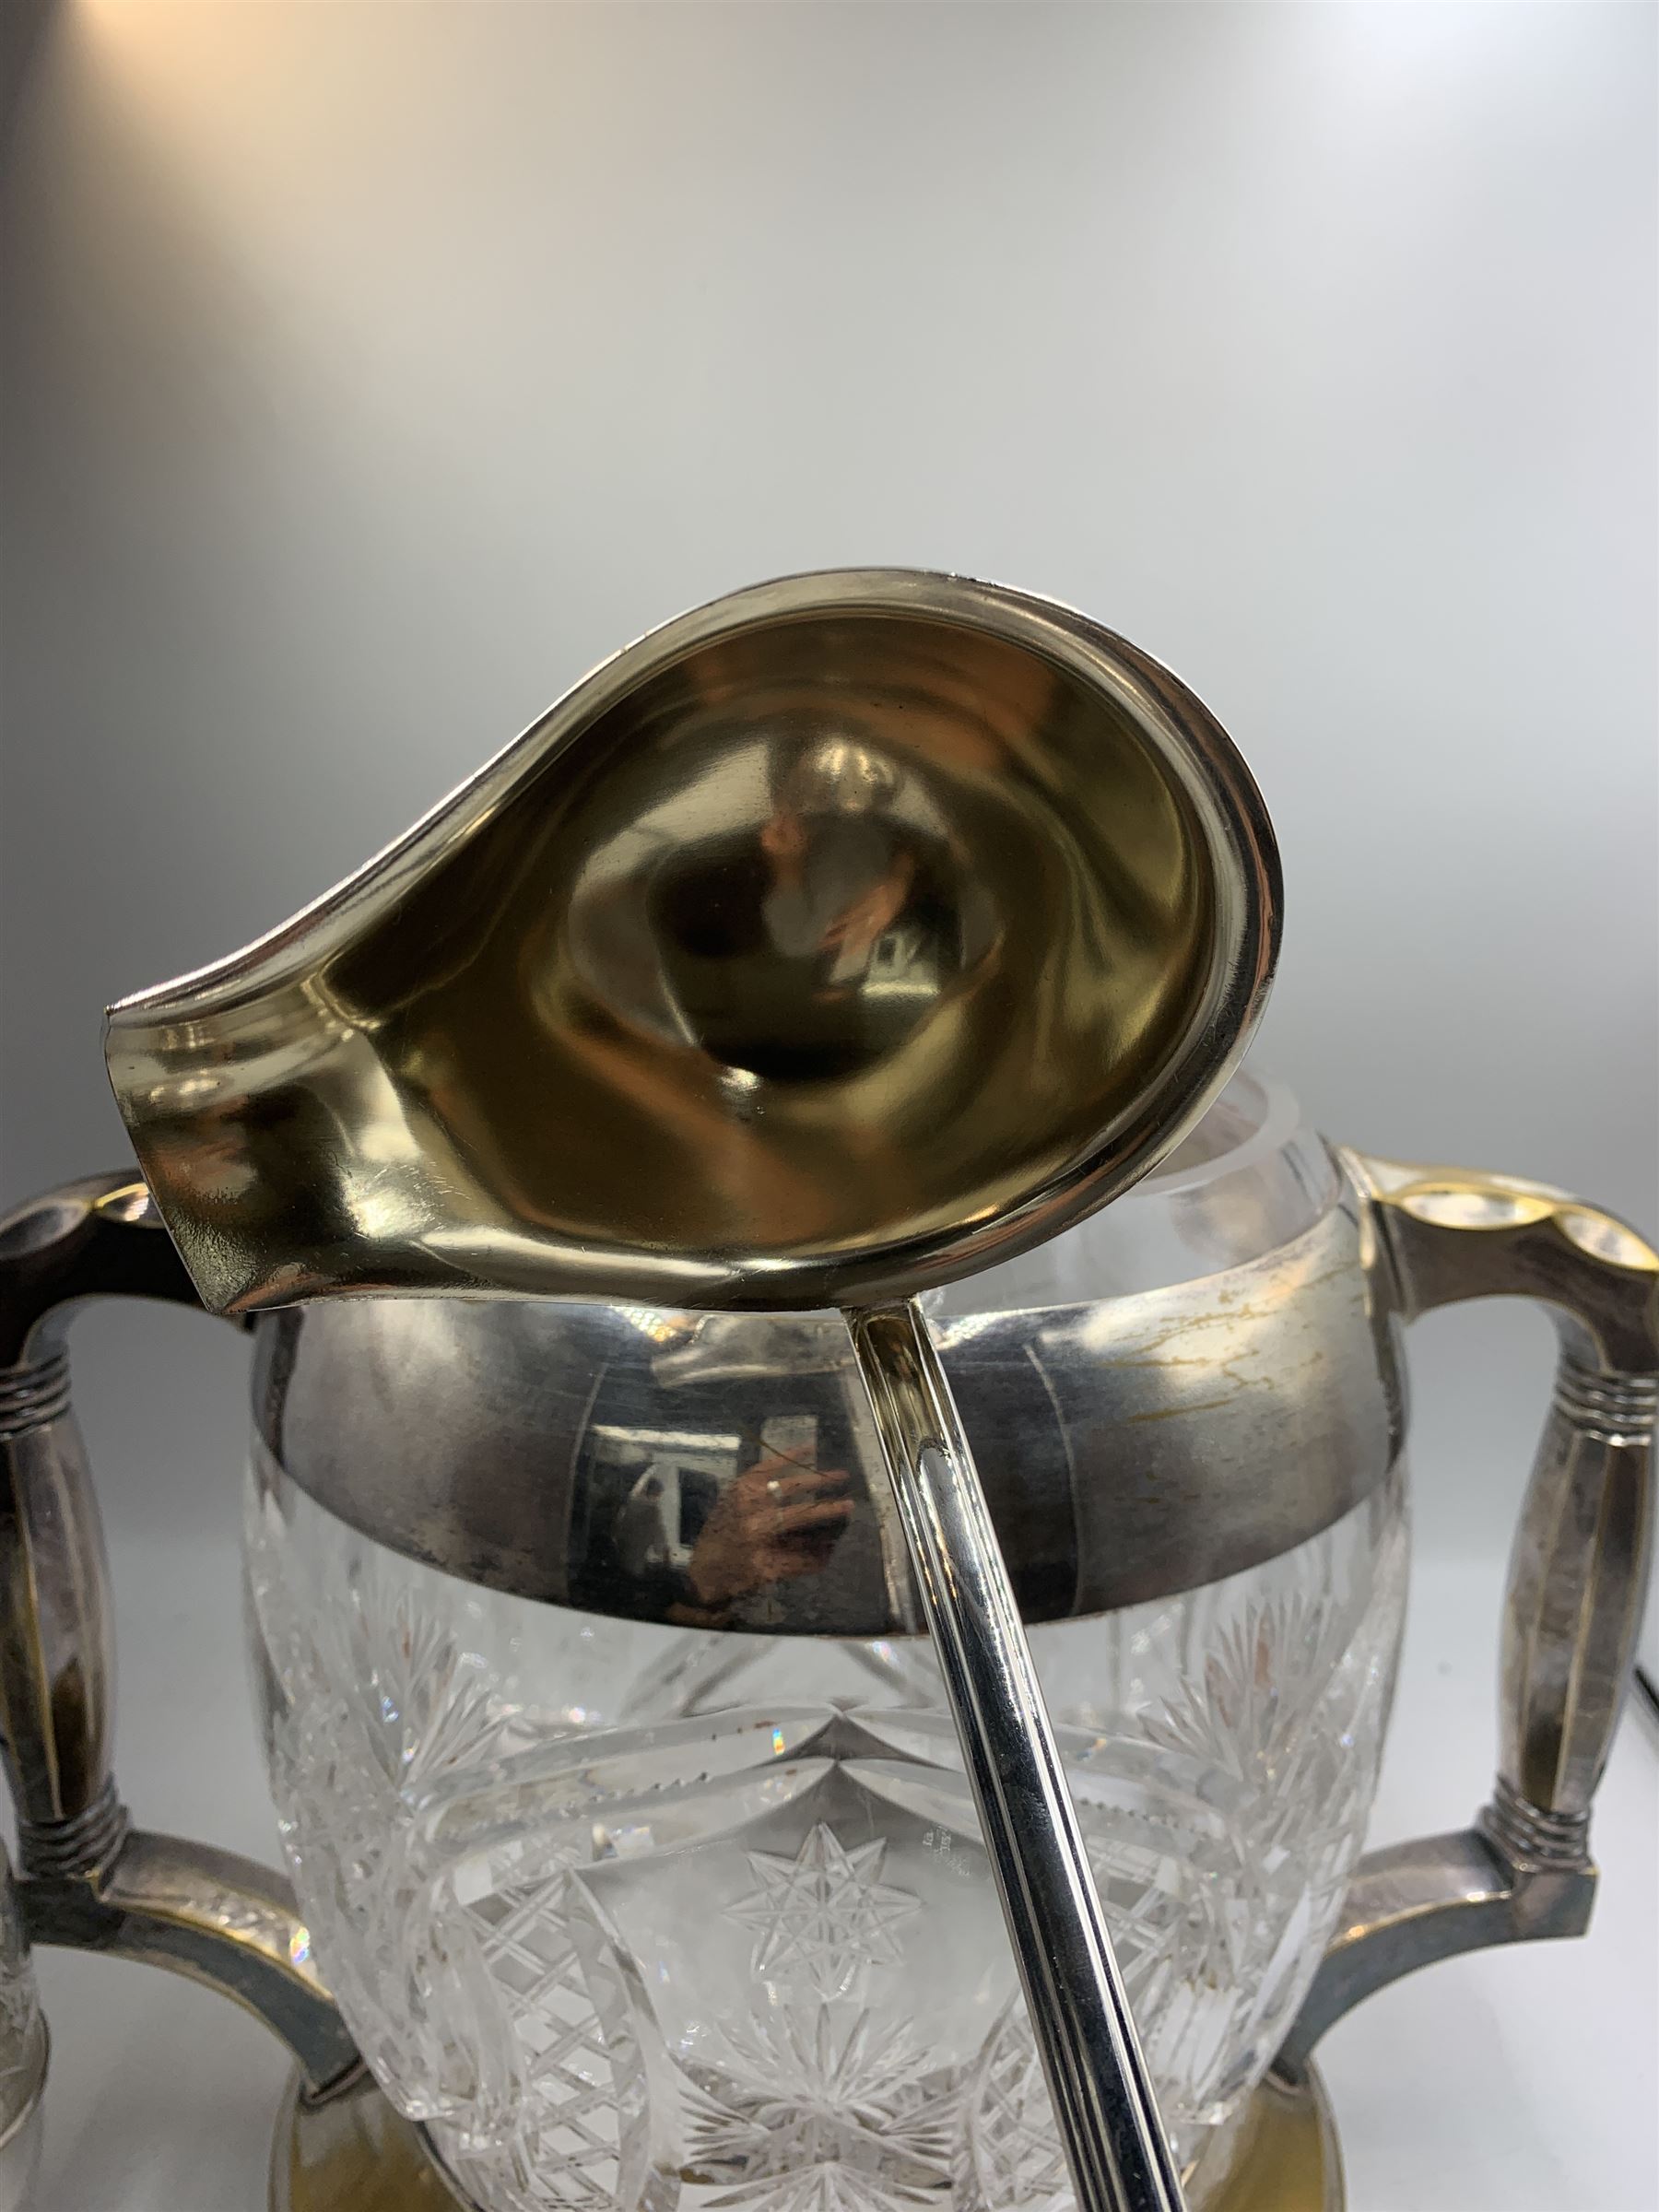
point(356, 2154)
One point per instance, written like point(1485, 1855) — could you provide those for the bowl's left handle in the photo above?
point(89, 1878)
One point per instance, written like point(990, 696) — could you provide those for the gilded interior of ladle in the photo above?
point(835, 939)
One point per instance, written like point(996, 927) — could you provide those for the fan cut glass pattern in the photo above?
point(642, 1917)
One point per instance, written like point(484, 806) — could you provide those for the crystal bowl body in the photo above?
point(674, 1911)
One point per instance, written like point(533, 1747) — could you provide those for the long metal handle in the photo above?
point(1576, 1579)
point(56, 1628)
point(91, 1881)
point(1119, 2155)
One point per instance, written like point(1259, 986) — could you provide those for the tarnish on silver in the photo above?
point(1577, 1577)
point(215, 1918)
point(1091, 2055)
point(1130, 1447)
point(91, 1881)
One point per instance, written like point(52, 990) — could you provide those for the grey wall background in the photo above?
point(374, 370)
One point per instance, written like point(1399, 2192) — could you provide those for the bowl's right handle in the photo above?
point(1576, 1576)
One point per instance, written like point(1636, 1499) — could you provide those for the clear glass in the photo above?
point(642, 1916)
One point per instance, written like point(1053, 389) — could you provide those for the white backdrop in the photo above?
point(375, 369)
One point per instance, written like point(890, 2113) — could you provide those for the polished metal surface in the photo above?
point(56, 1636)
point(1086, 2038)
point(1578, 1572)
point(1577, 1576)
point(1284, 2155)
point(1412, 1904)
point(610, 1457)
point(834, 941)
point(357, 2154)
point(91, 1881)
point(215, 1918)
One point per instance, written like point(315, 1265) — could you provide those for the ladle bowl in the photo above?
point(830, 943)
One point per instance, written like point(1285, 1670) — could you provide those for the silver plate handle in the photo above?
point(1576, 1578)
point(89, 1879)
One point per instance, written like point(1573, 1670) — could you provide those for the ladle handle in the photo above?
point(1096, 2074)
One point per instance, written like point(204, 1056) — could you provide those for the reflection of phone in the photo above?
point(787, 1436)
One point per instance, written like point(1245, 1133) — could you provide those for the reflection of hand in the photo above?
point(214, 1163)
point(857, 928)
point(783, 838)
point(779, 1520)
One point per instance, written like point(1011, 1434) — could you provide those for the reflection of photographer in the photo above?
point(691, 1536)
point(840, 869)
point(778, 1519)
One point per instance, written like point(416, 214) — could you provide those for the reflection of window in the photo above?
point(903, 963)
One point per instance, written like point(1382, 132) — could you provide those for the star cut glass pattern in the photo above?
point(667, 1920)
point(824, 1915)
point(825, 2110)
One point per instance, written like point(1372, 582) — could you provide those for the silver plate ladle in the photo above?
point(838, 939)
